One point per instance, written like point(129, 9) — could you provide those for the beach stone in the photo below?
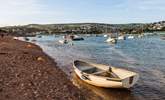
point(29, 46)
point(24, 77)
point(40, 59)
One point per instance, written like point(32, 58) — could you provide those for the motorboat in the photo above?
point(76, 38)
point(105, 35)
point(131, 37)
point(111, 40)
point(63, 41)
point(121, 37)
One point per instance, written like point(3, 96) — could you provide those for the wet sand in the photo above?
point(27, 73)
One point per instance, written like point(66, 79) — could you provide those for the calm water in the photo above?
point(143, 55)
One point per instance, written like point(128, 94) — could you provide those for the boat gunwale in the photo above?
point(118, 79)
point(124, 81)
point(103, 77)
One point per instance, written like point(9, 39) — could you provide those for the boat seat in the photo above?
point(88, 68)
point(99, 72)
point(105, 74)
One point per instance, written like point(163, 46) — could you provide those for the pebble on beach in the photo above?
point(23, 77)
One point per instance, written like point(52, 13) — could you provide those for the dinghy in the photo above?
point(63, 41)
point(15, 38)
point(131, 37)
point(111, 40)
point(121, 38)
point(76, 38)
point(104, 76)
point(105, 35)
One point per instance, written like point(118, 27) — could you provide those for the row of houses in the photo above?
point(157, 26)
point(86, 28)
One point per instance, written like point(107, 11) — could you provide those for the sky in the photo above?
point(21, 12)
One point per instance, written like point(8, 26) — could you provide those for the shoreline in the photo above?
point(26, 72)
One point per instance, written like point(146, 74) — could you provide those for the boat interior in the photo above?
point(87, 68)
point(99, 72)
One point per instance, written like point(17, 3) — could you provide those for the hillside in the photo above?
point(84, 28)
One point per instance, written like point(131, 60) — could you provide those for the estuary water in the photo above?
point(143, 55)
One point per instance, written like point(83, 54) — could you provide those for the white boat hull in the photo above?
point(131, 37)
point(105, 35)
point(121, 38)
point(100, 81)
point(62, 41)
point(111, 40)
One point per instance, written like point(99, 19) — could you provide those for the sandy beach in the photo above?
point(27, 73)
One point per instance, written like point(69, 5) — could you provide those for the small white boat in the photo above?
point(121, 38)
point(105, 35)
point(64, 37)
point(111, 40)
point(131, 37)
point(105, 76)
point(15, 38)
point(63, 41)
point(77, 38)
point(140, 36)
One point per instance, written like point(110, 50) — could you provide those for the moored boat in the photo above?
point(131, 37)
point(63, 41)
point(76, 38)
point(111, 40)
point(105, 35)
point(104, 76)
point(121, 37)
point(15, 38)
point(141, 36)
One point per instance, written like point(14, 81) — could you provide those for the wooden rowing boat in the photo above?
point(105, 76)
